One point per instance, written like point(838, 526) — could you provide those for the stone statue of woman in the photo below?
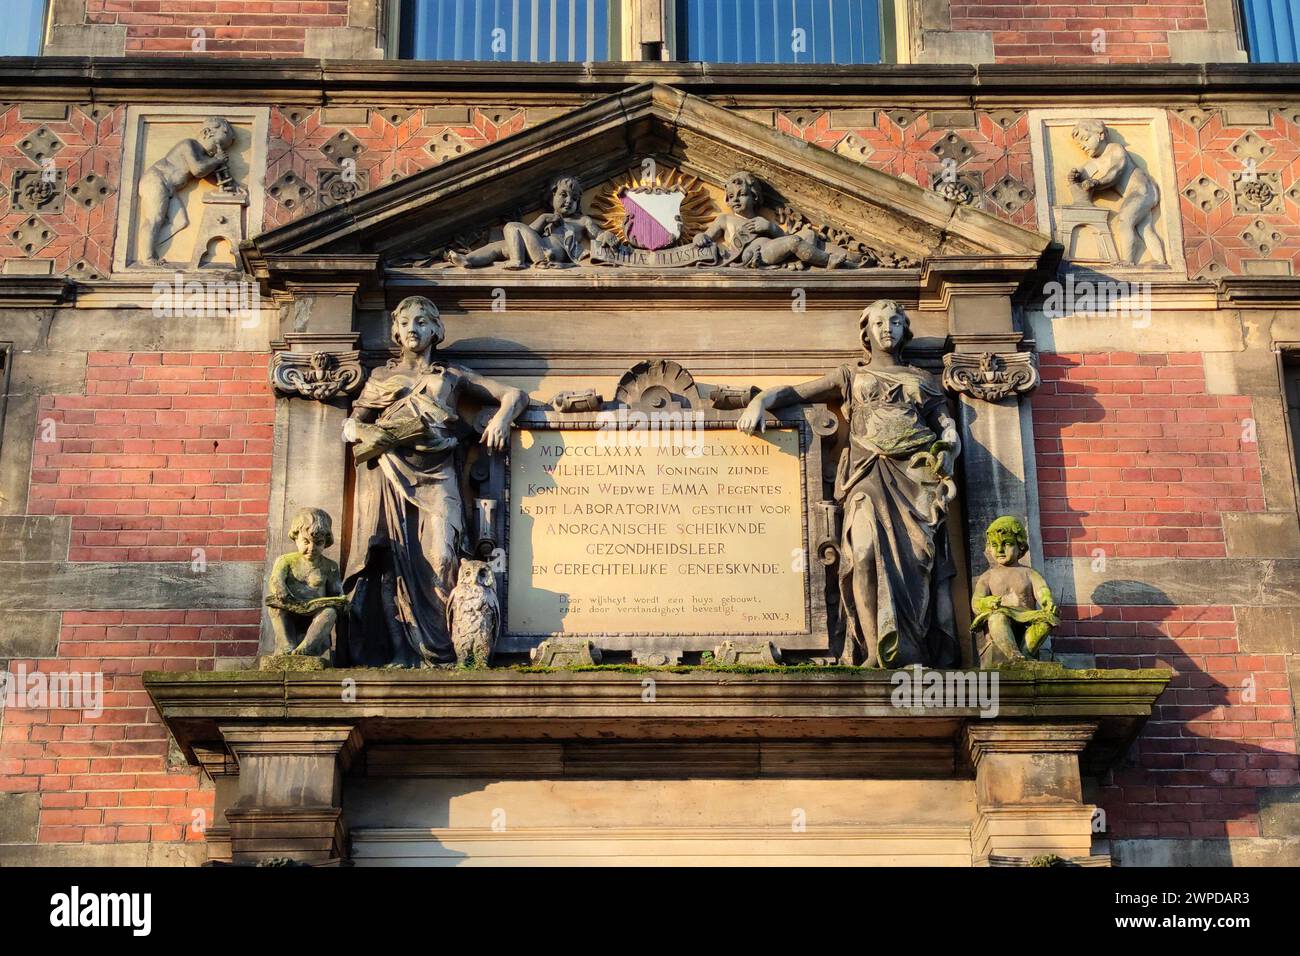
point(894, 484)
point(408, 519)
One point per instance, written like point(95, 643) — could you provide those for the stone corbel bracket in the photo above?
point(990, 376)
point(320, 375)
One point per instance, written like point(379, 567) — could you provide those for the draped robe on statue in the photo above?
point(408, 523)
point(894, 555)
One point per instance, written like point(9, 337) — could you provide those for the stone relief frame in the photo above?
point(172, 123)
point(1146, 132)
point(814, 424)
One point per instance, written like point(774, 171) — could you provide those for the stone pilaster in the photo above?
point(315, 370)
point(289, 803)
point(1028, 791)
point(991, 379)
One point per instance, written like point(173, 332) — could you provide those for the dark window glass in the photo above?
point(779, 31)
point(539, 31)
point(26, 26)
point(1271, 30)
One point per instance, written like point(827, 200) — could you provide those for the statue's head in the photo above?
point(417, 326)
point(566, 195)
point(1006, 541)
point(217, 134)
point(312, 531)
point(476, 572)
point(744, 193)
point(884, 325)
point(1089, 135)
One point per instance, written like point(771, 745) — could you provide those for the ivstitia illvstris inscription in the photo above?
point(680, 534)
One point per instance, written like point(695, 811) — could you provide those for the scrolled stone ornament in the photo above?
point(584, 400)
point(990, 376)
point(320, 376)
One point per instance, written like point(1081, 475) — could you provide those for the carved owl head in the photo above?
point(476, 574)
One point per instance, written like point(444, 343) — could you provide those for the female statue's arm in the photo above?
point(512, 402)
point(824, 389)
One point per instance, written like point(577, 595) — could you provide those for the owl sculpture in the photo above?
point(473, 614)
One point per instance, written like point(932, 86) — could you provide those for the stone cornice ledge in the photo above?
point(341, 81)
point(703, 705)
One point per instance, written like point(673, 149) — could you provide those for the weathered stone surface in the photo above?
point(1279, 812)
point(1171, 581)
point(565, 652)
point(1217, 853)
point(734, 652)
point(1261, 534)
point(29, 633)
point(104, 854)
point(34, 537)
point(1180, 331)
point(19, 818)
point(104, 586)
point(1269, 630)
point(1206, 46)
point(290, 662)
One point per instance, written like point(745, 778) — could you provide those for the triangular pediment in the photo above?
point(600, 143)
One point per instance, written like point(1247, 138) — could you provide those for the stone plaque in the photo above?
point(698, 533)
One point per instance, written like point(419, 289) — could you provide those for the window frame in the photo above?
point(894, 20)
point(896, 17)
point(397, 16)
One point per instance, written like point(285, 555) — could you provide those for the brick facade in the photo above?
point(243, 28)
point(1081, 33)
point(161, 454)
point(165, 453)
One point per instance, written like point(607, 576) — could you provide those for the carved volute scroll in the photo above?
point(990, 376)
point(320, 376)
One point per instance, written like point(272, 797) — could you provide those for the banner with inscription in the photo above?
point(626, 533)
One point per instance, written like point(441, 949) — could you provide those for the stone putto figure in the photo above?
point(1111, 166)
point(893, 484)
point(1014, 608)
point(161, 215)
point(754, 241)
point(409, 527)
point(304, 591)
point(552, 239)
point(474, 614)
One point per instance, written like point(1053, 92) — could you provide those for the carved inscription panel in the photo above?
point(685, 533)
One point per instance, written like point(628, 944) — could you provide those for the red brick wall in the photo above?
point(1223, 729)
point(1062, 33)
point(247, 28)
point(1135, 460)
point(106, 780)
point(165, 453)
